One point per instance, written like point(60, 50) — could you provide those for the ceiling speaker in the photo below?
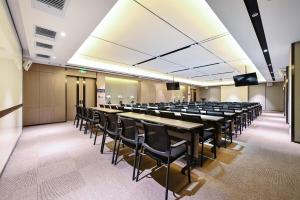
point(27, 64)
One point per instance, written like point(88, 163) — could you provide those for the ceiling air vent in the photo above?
point(53, 7)
point(45, 32)
point(58, 4)
point(43, 45)
point(42, 56)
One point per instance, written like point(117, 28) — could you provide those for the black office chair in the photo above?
point(84, 118)
point(101, 126)
point(112, 130)
point(157, 145)
point(93, 119)
point(226, 126)
point(78, 115)
point(207, 133)
point(195, 111)
point(114, 107)
point(101, 105)
point(136, 110)
point(131, 138)
point(107, 106)
point(167, 114)
point(151, 112)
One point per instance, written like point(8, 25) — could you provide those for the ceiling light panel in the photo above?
point(161, 65)
point(193, 56)
point(193, 17)
point(131, 25)
point(226, 47)
point(101, 49)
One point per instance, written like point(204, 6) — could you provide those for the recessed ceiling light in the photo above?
point(254, 14)
point(54, 57)
point(265, 50)
point(63, 34)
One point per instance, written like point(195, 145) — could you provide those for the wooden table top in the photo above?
point(204, 117)
point(160, 120)
point(107, 110)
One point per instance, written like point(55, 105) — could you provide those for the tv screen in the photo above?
point(245, 79)
point(173, 86)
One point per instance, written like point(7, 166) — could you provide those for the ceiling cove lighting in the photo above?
point(110, 28)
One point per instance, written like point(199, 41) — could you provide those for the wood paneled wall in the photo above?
point(44, 95)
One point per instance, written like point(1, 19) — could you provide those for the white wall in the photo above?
point(10, 85)
point(119, 86)
point(257, 93)
point(210, 93)
point(230, 93)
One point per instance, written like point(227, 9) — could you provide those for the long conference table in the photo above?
point(186, 128)
point(189, 131)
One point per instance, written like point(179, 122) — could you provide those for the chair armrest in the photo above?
point(229, 121)
point(209, 129)
point(178, 144)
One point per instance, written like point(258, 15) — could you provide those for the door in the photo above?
point(71, 97)
point(193, 95)
point(80, 91)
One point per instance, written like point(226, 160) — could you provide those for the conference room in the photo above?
point(139, 99)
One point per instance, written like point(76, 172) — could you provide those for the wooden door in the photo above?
point(72, 85)
point(90, 92)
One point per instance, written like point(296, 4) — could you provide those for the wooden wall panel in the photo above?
point(90, 92)
point(44, 95)
point(71, 97)
point(31, 97)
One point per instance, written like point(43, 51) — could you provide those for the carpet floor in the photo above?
point(57, 161)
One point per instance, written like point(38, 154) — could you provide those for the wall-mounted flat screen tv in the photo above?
point(173, 86)
point(245, 79)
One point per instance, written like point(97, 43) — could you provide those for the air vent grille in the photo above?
point(43, 45)
point(42, 56)
point(58, 4)
point(45, 32)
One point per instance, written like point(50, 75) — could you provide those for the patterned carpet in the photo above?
point(58, 162)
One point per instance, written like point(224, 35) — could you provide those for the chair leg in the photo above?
point(202, 148)
point(77, 124)
point(103, 142)
point(134, 162)
point(215, 146)
point(139, 166)
point(81, 123)
point(114, 151)
point(91, 131)
point(95, 137)
point(117, 153)
point(167, 180)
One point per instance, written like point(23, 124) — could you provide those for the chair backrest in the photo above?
point(215, 113)
point(150, 112)
point(136, 110)
point(102, 119)
point(156, 137)
point(192, 111)
point(101, 105)
point(107, 106)
point(84, 112)
point(191, 118)
point(167, 114)
point(112, 123)
point(175, 109)
point(90, 113)
point(129, 129)
point(113, 107)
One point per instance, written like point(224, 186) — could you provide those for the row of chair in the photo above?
point(155, 142)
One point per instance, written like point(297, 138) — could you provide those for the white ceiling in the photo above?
point(131, 31)
point(281, 27)
point(77, 21)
